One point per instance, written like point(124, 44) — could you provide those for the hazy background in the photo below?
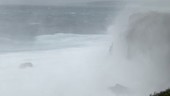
point(50, 2)
point(21, 21)
point(25, 19)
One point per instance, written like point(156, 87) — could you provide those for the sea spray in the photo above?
point(141, 49)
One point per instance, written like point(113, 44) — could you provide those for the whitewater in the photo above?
point(121, 64)
point(132, 59)
point(65, 69)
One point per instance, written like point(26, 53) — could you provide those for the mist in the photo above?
point(86, 48)
point(140, 46)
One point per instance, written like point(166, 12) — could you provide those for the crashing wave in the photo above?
point(149, 33)
point(148, 37)
point(141, 43)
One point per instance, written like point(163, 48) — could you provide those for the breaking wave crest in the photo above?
point(141, 46)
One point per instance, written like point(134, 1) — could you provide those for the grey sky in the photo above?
point(74, 2)
point(44, 2)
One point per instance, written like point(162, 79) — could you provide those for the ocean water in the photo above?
point(21, 24)
point(26, 22)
